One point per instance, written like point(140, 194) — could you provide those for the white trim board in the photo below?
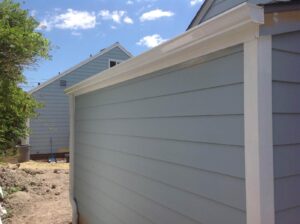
point(71, 148)
point(228, 29)
point(258, 131)
point(79, 65)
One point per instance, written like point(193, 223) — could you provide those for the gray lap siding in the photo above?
point(165, 148)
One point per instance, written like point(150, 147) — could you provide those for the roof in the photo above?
point(208, 3)
point(60, 75)
point(201, 13)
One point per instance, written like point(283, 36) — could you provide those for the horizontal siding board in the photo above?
point(228, 160)
point(283, 60)
point(147, 207)
point(286, 160)
point(101, 215)
point(287, 192)
point(88, 216)
point(117, 209)
point(227, 190)
point(209, 129)
point(201, 210)
point(286, 97)
point(289, 216)
point(204, 75)
point(223, 100)
point(286, 129)
point(287, 42)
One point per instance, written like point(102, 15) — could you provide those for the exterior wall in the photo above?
point(165, 148)
point(286, 126)
point(53, 118)
point(220, 6)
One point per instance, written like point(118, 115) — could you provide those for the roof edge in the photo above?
point(235, 26)
point(66, 72)
point(200, 13)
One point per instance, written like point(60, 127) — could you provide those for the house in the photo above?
point(204, 128)
point(50, 130)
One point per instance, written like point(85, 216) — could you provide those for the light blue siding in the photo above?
point(286, 126)
point(53, 119)
point(165, 148)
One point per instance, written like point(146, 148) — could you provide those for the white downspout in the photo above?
point(71, 149)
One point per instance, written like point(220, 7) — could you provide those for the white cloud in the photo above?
point(155, 14)
point(113, 27)
point(194, 2)
point(151, 40)
point(129, 2)
point(71, 19)
point(128, 20)
point(116, 15)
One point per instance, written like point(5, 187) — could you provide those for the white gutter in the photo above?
point(230, 28)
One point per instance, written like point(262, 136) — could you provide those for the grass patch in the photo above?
point(11, 190)
point(10, 156)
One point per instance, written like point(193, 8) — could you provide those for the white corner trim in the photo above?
point(71, 154)
point(258, 131)
point(230, 28)
point(51, 80)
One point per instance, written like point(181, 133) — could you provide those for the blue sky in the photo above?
point(77, 28)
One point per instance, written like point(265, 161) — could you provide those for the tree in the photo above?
point(21, 46)
point(16, 106)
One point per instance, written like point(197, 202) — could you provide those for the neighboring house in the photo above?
point(51, 128)
point(203, 129)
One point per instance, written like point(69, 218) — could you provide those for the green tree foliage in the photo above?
point(16, 106)
point(21, 46)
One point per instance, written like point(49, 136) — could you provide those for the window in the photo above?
point(113, 62)
point(62, 82)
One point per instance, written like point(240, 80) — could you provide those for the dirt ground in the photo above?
point(36, 193)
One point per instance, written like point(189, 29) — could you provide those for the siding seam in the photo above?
point(163, 161)
point(163, 183)
point(163, 95)
point(141, 195)
point(167, 139)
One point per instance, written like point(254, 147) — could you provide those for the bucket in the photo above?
point(24, 153)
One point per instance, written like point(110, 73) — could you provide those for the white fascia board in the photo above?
point(230, 28)
point(79, 65)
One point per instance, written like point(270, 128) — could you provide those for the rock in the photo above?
point(1, 193)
